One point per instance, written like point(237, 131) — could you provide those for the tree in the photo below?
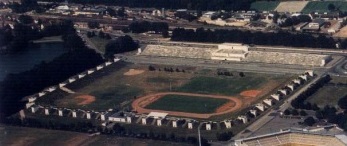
point(120, 45)
point(225, 136)
point(151, 68)
point(309, 121)
point(241, 74)
point(319, 114)
point(26, 19)
point(343, 102)
point(295, 112)
point(165, 34)
point(121, 12)
point(93, 25)
point(315, 107)
point(101, 34)
point(287, 112)
point(303, 113)
point(108, 36)
point(331, 7)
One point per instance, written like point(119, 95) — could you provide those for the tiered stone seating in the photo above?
point(284, 138)
point(336, 142)
point(252, 143)
point(310, 139)
point(178, 51)
point(269, 141)
point(285, 58)
point(293, 139)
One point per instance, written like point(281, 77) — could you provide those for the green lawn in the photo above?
point(328, 95)
point(322, 6)
point(264, 5)
point(112, 96)
point(192, 104)
point(99, 43)
point(221, 85)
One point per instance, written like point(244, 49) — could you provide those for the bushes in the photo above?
point(145, 26)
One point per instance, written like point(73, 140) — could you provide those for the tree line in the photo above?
point(280, 38)
point(299, 102)
point(173, 4)
point(120, 45)
point(25, 31)
point(145, 26)
point(29, 5)
point(327, 112)
point(16, 86)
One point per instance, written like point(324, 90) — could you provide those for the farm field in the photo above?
point(322, 6)
point(291, 6)
point(192, 104)
point(118, 85)
point(264, 5)
point(18, 136)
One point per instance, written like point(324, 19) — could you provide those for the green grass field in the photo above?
point(191, 104)
point(112, 88)
point(322, 6)
point(221, 85)
point(99, 43)
point(264, 5)
point(328, 95)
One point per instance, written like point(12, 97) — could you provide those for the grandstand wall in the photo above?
point(291, 138)
point(235, 52)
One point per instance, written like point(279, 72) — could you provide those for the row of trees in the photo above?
point(29, 5)
point(145, 26)
point(330, 113)
point(299, 102)
point(16, 86)
point(18, 38)
point(295, 20)
point(280, 38)
point(173, 4)
point(152, 68)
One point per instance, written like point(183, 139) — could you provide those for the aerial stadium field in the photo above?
point(120, 84)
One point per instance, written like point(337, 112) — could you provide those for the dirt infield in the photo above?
point(250, 93)
point(233, 105)
point(133, 72)
point(87, 99)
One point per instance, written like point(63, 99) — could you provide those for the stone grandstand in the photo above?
point(178, 51)
point(291, 6)
point(234, 52)
point(293, 138)
point(287, 58)
point(231, 52)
